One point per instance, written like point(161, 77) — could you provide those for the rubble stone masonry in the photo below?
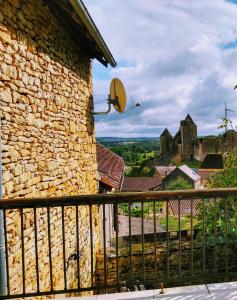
point(48, 142)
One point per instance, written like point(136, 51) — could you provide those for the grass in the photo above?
point(192, 163)
point(173, 223)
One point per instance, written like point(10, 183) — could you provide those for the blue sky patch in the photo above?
point(230, 45)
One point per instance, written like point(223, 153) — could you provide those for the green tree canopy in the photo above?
point(219, 212)
point(227, 177)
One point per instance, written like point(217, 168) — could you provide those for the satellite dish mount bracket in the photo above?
point(110, 102)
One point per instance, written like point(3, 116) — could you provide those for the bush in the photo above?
point(179, 184)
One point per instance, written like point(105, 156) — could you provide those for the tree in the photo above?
point(179, 184)
point(219, 211)
point(227, 177)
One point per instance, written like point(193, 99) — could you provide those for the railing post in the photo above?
point(3, 280)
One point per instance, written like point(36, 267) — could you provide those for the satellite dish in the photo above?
point(117, 95)
point(117, 98)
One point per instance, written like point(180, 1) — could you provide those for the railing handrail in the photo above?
point(115, 198)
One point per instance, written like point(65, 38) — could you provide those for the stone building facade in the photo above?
point(188, 130)
point(47, 131)
point(186, 145)
point(215, 144)
point(165, 142)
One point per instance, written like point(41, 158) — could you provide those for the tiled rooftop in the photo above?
point(141, 184)
point(110, 166)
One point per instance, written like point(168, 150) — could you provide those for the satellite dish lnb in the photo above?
point(117, 95)
point(117, 98)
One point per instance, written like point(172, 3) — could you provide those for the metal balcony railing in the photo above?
point(61, 245)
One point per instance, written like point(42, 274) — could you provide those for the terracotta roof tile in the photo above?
point(110, 166)
point(141, 184)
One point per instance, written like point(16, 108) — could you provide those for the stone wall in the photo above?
point(215, 144)
point(155, 264)
point(48, 142)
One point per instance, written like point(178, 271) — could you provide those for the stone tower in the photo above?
point(188, 131)
point(165, 142)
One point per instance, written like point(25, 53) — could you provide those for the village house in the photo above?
point(111, 174)
point(163, 171)
point(47, 132)
point(185, 173)
point(110, 168)
point(141, 184)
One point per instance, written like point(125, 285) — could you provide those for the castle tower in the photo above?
point(188, 131)
point(165, 142)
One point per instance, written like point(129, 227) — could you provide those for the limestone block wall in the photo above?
point(215, 144)
point(48, 142)
point(155, 265)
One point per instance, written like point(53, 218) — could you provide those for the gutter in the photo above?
point(83, 13)
point(3, 277)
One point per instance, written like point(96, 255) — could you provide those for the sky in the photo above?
point(173, 56)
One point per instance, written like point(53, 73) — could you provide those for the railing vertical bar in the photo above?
point(215, 234)
point(78, 252)
point(91, 245)
point(64, 250)
point(104, 241)
point(167, 239)
point(204, 236)
point(23, 250)
point(155, 250)
point(49, 246)
point(179, 216)
point(6, 250)
point(143, 257)
point(226, 238)
point(116, 242)
point(130, 240)
point(36, 250)
point(192, 236)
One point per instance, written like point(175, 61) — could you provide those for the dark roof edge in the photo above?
point(83, 13)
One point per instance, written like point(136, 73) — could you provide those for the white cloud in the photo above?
point(172, 57)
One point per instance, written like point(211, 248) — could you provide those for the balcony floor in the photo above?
point(218, 291)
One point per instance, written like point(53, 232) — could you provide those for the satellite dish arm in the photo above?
point(110, 102)
point(103, 112)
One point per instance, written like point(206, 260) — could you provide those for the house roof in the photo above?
point(163, 171)
point(206, 173)
point(141, 184)
point(213, 161)
point(189, 172)
point(75, 18)
point(110, 167)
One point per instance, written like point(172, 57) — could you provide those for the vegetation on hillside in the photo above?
point(135, 153)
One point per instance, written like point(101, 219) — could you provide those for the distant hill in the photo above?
point(122, 140)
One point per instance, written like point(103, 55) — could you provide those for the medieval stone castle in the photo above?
point(186, 145)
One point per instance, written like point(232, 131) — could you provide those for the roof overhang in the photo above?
point(76, 19)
